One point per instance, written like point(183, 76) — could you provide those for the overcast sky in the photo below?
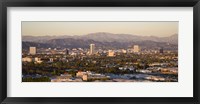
point(160, 29)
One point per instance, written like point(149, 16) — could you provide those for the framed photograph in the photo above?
point(98, 51)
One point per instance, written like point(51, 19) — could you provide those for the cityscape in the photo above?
point(100, 57)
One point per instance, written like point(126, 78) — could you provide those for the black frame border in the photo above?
point(99, 3)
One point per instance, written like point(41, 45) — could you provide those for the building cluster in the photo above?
point(131, 68)
point(65, 78)
point(91, 51)
point(88, 75)
point(30, 59)
point(168, 70)
point(90, 56)
point(80, 76)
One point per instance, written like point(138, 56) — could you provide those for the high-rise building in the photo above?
point(92, 49)
point(161, 50)
point(66, 51)
point(136, 48)
point(32, 50)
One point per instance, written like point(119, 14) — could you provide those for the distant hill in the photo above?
point(105, 37)
point(109, 37)
point(102, 40)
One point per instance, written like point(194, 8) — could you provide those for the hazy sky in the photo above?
point(160, 29)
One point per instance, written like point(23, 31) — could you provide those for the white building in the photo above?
point(62, 78)
point(85, 77)
point(111, 53)
point(51, 60)
point(32, 50)
point(27, 59)
point(92, 49)
point(90, 75)
point(38, 60)
point(123, 51)
point(136, 48)
point(80, 74)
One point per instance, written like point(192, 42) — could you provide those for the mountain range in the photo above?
point(100, 39)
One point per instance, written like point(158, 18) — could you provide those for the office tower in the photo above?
point(92, 49)
point(32, 50)
point(136, 48)
point(161, 50)
point(66, 51)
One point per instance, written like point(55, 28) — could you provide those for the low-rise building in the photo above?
point(38, 60)
point(111, 53)
point(80, 74)
point(62, 78)
point(85, 77)
point(27, 59)
point(90, 75)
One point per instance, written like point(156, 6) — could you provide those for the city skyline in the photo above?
point(103, 52)
point(159, 29)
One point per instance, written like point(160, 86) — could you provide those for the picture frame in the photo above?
point(98, 3)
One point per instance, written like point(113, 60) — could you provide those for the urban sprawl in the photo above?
point(94, 64)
